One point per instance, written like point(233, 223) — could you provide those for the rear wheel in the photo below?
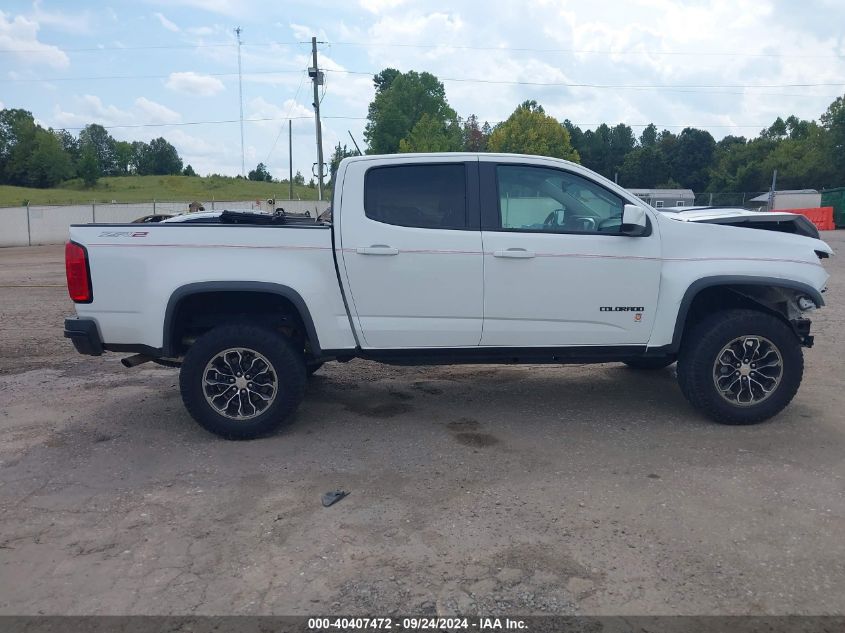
point(740, 366)
point(242, 381)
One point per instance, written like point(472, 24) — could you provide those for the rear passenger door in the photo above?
point(411, 248)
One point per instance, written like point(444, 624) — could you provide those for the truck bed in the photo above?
point(135, 270)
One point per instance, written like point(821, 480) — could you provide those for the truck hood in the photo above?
point(765, 220)
point(719, 228)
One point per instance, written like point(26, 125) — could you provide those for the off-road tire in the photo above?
point(286, 364)
point(705, 342)
point(649, 363)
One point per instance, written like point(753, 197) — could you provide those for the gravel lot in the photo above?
point(479, 489)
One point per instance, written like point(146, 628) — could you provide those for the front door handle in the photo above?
point(377, 249)
point(514, 253)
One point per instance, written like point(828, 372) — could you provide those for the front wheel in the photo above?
point(242, 381)
point(740, 366)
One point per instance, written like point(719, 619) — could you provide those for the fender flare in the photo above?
point(733, 280)
point(238, 286)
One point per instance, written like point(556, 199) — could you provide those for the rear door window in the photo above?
point(423, 196)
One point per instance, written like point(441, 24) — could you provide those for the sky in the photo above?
point(150, 68)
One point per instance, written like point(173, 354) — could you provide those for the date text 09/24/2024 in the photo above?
point(415, 624)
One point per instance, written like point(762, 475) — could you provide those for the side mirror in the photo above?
point(634, 220)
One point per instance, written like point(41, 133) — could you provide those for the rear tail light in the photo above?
point(78, 273)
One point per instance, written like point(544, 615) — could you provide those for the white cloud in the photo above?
point(260, 108)
point(200, 31)
point(152, 112)
point(21, 34)
point(303, 33)
point(78, 22)
point(194, 84)
point(190, 146)
point(380, 6)
point(170, 26)
point(232, 8)
point(91, 109)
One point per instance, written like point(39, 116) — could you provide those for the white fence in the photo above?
point(31, 225)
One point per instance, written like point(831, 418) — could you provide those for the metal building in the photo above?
point(660, 198)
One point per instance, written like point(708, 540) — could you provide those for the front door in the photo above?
point(557, 270)
point(411, 249)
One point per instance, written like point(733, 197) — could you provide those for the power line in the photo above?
point(212, 122)
point(609, 86)
point(530, 49)
point(287, 117)
point(361, 118)
point(681, 88)
point(108, 77)
point(144, 47)
point(94, 49)
point(446, 46)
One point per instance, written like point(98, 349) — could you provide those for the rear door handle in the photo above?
point(514, 253)
point(377, 249)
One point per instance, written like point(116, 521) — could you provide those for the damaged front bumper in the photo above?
point(801, 327)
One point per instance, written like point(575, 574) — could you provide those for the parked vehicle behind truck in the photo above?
point(451, 258)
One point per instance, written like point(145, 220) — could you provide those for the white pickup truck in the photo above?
point(451, 258)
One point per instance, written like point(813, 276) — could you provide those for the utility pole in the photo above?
point(772, 190)
point(290, 159)
point(241, 100)
point(317, 78)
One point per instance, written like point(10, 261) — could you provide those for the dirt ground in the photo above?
point(477, 489)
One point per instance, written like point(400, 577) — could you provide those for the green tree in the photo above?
point(138, 158)
point(49, 163)
point(189, 171)
point(431, 135)
point(803, 158)
point(103, 145)
point(529, 130)
point(648, 137)
point(738, 166)
point(68, 142)
point(604, 149)
point(643, 167)
point(156, 158)
point(339, 153)
point(691, 158)
point(400, 101)
point(576, 137)
point(17, 141)
point(162, 158)
point(260, 173)
point(122, 157)
point(475, 136)
point(89, 166)
point(833, 121)
point(299, 179)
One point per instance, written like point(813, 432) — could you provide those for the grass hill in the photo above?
point(148, 188)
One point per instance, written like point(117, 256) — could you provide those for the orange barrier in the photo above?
point(822, 217)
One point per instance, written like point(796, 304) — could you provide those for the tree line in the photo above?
point(34, 156)
point(410, 113)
